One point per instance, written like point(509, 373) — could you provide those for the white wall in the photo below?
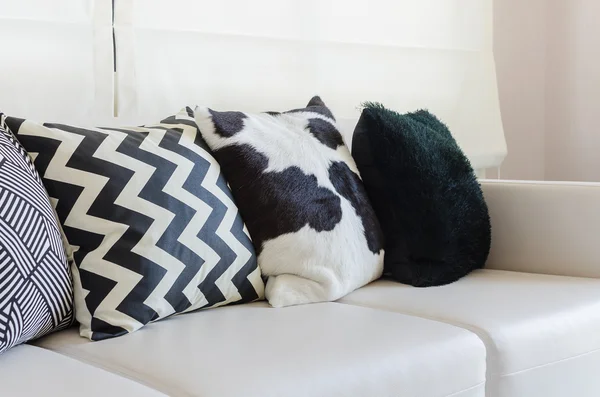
point(573, 90)
point(520, 52)
point(548, 63)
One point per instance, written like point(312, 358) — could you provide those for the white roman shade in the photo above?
point(57, 59)
point(253, 55)
point(275, 54)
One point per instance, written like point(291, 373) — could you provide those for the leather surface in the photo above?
point(27, 371)
point(531, 324)
point(577, 377)
point(545, 227)
point(316, 350)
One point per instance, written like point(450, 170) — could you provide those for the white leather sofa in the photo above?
point(527, 326)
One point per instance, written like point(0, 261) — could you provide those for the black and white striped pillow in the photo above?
point(36, 293)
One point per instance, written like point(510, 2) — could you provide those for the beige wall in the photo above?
point(548, 64)
point(520, 52)
point(573, 90)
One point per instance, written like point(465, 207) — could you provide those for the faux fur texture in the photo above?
point(301, 197)
point(425, 194)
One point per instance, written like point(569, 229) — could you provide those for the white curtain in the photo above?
point(253, 55)
point(275, 54)
point(57, 59)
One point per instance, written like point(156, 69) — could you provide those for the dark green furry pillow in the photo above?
point(425, 194)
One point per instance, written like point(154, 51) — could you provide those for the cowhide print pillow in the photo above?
point(301, 196)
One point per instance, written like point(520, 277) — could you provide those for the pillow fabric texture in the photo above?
point(298, 190)
point(150, 219)
point(426, 196)
point(36, 293)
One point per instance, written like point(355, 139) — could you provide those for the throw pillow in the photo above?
point(426, 195)
point(36, 293)
point(150, 219)
point(299, 191)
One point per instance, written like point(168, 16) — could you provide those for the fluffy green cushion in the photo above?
point(425, 194)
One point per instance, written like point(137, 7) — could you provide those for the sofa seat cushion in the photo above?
point(541, 332)
point(326, 349)
point(27, 371)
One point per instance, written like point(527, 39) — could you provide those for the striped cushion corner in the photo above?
point(36, 293)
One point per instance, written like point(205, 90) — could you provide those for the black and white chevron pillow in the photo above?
point(302, 198)
point(150, 219)
point(36, 293)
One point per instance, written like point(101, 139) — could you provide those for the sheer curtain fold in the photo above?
point(57, 59)
point(253, 56)
point(275, 54)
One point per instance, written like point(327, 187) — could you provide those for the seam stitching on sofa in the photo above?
point(465, 390)
point(120, 371)
point(488, 343)
point(480, 333)
point(550, 364)
point(490, 374)
point(115, 369)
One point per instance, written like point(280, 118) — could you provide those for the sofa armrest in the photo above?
point(543, 227)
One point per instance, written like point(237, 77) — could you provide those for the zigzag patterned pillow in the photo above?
point(150, 219)
point(36, 294)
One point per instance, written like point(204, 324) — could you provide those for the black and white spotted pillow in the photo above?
point(36, 293)
point(301, 196)
point(150, 219)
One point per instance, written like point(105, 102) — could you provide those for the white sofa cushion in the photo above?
point(324, 349)
point(27, 371)
point(541, 332)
